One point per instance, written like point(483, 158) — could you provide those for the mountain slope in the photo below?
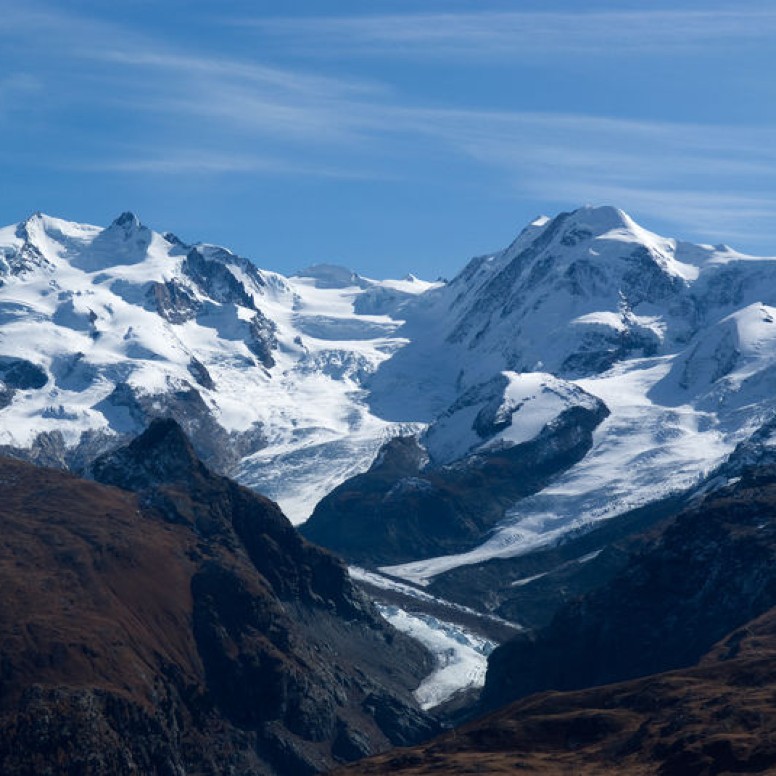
point(400, 509)
point(698, 598)
point(675, 339)
point(102, 330)
point(708, 573)
point(292, 385)
point(717, 718)
point(184, 627)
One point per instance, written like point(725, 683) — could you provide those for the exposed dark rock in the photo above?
point(162, 454)
point(47, 449)
point(173, 239)
point(6, 395)
point(710, 571)
point(127, 221)
point(219, 448)
point(599, 351)
point(397, 512)
point(391, 715)
point(29, 255)
point(350, 745)
point(92, 443)
point(201, 374)
point(263, 338)
point(173, 301)
point(20, 374)
point(223, 256)
point(215, 280)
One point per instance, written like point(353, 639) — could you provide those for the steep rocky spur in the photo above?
point(173, 622)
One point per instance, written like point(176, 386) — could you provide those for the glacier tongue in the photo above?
point(461, 656)
point(641, 453)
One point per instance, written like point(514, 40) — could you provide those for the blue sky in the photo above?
point(391, 137)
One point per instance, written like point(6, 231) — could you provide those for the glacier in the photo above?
point(293, 384)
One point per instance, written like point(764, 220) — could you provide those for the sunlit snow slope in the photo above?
point(102, 329)
point(293, 384)
point(678, 340)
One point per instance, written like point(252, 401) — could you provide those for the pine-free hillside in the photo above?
point(667, 668)
point(173, 621)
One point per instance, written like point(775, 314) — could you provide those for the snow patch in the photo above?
point(461, 657)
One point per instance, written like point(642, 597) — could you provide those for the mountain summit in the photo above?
point(162, 455)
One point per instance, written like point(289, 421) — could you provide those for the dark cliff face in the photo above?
point(668, 669)
point(183, 627)
point(397, 511)
point(710, 571)
point(716, 718)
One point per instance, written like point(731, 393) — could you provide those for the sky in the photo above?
point(390, 136)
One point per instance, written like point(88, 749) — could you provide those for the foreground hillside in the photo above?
point(718, 718)
point(177, 623)
point(697, 602)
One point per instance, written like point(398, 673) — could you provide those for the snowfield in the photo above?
point(292, 384)
point(641, 453)
point(96, 309)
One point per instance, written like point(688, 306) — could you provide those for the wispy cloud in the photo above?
point(199, 162)
point(146, 75)
point(295, 82)
point(518, 34)
point(715, 181)
point(176, 111)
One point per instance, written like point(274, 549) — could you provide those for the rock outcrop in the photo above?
point(709, 572)
point(399, 510)
point(666, 669)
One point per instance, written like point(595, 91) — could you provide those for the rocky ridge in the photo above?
point(667, 668)
point(404, 506)
point(174, 622)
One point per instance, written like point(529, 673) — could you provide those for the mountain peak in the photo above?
point(330, 276)
point(128, 227)
point(127, 220)
point(600, 219)
point(162, 454)
point(33, 224)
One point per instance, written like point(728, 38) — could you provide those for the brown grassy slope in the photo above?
point(184, 629)
point(719, 717)
point(698, 598)
point(94, 591)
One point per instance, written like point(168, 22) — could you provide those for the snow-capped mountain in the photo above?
point(293, 384)
point(676, 339)
point(104, 329)
point(572, 296)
